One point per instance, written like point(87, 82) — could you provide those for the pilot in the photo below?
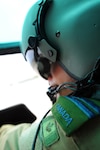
point(61, 41)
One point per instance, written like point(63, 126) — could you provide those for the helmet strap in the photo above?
point(85, 86)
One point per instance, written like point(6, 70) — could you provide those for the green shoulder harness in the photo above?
point(72, 112)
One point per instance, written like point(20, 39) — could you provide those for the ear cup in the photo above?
point(44, 67)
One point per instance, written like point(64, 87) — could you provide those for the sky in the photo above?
point(12, 15)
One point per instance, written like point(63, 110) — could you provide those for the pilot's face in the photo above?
point(59, 76)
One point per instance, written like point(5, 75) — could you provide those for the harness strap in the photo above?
point(72, 112)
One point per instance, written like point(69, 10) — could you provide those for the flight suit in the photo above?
point(49, 134)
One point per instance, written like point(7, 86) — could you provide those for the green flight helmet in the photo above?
point(63, 31)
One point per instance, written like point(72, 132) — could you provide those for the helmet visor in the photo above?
point(38, 62)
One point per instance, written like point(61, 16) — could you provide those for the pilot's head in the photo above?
point(64, 34)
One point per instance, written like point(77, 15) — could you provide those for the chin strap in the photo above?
point(53, 90)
